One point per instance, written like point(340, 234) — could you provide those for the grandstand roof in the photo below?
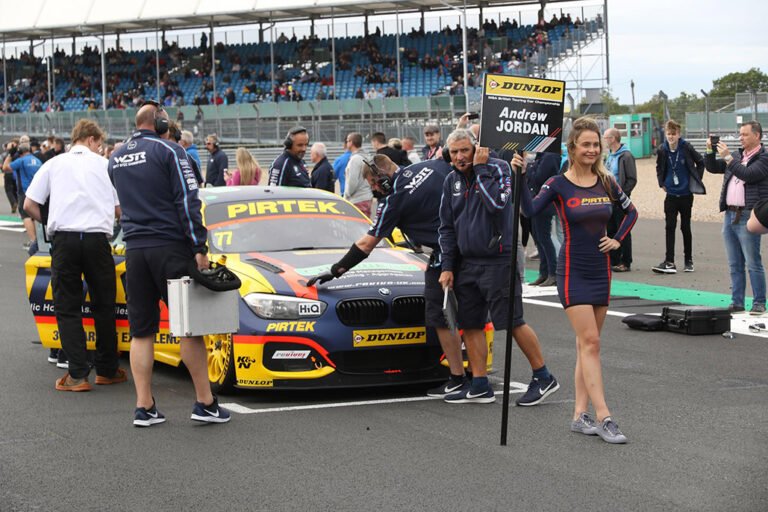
point(41, 19)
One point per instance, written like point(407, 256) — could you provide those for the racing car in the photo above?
point(365, 328)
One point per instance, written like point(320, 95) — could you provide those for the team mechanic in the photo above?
point(288, 169)
point(476, 227)
point(409, 199)
point(163, 231)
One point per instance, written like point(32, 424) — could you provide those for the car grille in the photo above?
point(408, 310)
point(358, 312)
point(393, 359)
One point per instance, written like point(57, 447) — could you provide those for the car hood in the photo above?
point(287, 272)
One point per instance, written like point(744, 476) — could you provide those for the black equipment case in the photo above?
point(696, 319)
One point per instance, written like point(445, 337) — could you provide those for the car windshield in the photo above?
point(283, 225)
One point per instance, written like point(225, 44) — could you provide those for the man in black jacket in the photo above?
point(621, 164)
point(745, 183)
point(322, 173)
point(538, 171)
point(379, 143)
point(679, 169)
point(217, 163)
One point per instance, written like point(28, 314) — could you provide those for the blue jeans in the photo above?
point(743, 247)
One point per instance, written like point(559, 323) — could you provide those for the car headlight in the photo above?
point(280, 307)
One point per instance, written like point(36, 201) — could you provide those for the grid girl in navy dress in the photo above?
point(584, 197)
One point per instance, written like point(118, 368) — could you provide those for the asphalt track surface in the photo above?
point(695, 410)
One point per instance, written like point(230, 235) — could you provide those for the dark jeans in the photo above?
point(541, 225)
point(622, 255)
point(674, 205)
point(10, 189)
point(72, 255)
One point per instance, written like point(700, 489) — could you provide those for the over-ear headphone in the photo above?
point(447, 154)
point(215, 140)
point(161, 123)
point(288, 142)
point(382, 180)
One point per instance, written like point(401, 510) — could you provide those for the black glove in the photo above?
point(352, 258)
point(321, 278)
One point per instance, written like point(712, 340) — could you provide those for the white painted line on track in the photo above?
point(516, 387)
point(559, 306)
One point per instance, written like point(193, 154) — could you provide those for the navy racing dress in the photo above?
point(583, 272)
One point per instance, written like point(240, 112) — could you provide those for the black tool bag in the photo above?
point(644, 322)
point(696, 319)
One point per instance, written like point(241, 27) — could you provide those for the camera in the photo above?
point(715, 139)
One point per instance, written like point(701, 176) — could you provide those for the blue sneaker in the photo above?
point(147, 417)
point(449, 387)
point(538, 390)
point(467, 395)
point(210, 413)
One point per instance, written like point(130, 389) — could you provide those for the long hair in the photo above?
point(587, 124)
point(248, 166)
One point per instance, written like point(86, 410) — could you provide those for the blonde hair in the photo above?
point(587, 124)
point(248, 166)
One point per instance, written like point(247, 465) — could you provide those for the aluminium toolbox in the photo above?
point(194, 310)
point(696, 319)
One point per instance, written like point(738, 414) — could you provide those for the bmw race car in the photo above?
point(364, 329)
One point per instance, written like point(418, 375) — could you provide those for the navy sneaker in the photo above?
point(210, 413)
point(467, 395)
point(147, 417)
point(447, 388)
point(538, 390)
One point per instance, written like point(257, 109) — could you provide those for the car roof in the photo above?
point(217, 195)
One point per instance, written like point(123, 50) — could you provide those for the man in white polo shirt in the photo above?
point(81, 215)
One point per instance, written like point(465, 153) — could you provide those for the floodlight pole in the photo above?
point(706, 113)
point(157, 63)
point(333, 55)
point(103, 73)
point(213, 67)
point(397, 45)
point(48, 69)
point(463, 44)
point(53, 66)
point(272, 59)
point(5, 82)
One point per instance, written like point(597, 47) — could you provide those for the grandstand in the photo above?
point(291, 79)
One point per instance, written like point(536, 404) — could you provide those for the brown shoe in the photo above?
point(119, 376)
point(67, 383)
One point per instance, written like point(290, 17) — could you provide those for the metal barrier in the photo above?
point(263, 123)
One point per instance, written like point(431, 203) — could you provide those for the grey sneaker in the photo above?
point(689, 266)
point(665, 267)
point(584, 424)
point(757, 309)
point(610, 433)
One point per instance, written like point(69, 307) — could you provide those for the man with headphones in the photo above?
point(217, 163)
point(288, 169)
point(164, 233)
point(475, 237)
point(410, 200)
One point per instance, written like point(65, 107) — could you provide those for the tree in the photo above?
point(732, 83)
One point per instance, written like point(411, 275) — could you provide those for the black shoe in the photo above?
point(62, 361)
point(621, 268)
point(665, 267)
point(733, 308)
point(447, 388)
point(53, 356)
point(538, 281)
point(550, 281)
point(689, 266)
point(538, 390)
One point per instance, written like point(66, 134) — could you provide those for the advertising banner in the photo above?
point(522, 113)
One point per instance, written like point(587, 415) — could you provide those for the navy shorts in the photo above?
point(146, 274)
point(433, 299)
point(484, 289)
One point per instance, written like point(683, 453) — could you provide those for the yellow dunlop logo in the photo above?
point(523, 87)
point(387, 337)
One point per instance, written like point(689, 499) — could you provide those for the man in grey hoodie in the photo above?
point(621, 164)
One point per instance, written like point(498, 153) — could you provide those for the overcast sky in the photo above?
point(682, 45)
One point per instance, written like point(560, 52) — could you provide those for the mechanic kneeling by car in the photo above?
point(163, 231)
point(82, 210)
point(409, 199)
